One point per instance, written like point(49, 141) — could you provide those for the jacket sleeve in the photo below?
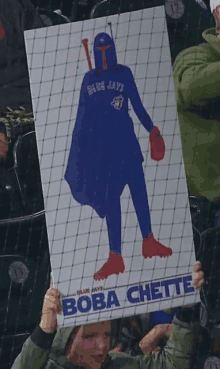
point(137, 104)
point(196, 76)
point(35, 351)
point(180, 349)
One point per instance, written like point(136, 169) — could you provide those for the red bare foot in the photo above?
point(152, 247)
point(114, 265)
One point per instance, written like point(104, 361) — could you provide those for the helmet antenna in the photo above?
point(110, 25)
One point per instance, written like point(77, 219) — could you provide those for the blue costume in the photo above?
point(105, 154)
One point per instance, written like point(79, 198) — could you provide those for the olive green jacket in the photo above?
point(197, 86)
point(46, 351)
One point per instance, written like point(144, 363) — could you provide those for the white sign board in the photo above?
point(93, 135)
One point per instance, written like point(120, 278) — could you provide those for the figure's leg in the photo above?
point(140, 200)
point(113, 220)
point(115, 263)
point(151, 247)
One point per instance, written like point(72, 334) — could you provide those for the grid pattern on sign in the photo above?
point(78, 237)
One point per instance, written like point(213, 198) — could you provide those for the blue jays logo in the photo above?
point(117, 102)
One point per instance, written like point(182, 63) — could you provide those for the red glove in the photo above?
point(157, 145)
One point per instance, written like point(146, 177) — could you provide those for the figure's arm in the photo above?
point(196, 76)
point(137, 104)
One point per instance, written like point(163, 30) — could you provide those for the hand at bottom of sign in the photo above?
point(198, 274)
point(51, 307)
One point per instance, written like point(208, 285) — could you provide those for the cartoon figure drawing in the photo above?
point(105, 155)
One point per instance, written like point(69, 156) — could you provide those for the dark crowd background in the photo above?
point(24, 255)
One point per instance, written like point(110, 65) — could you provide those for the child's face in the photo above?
point(93, 345)
point(97, 341)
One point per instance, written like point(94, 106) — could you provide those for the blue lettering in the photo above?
point(88, 304)
point(166, 285)
point(145, 292)
point(177, 282)
point(122, 88)
point(69, 307)
point(131, 299)
point(154, 291)
point(112, 299)
point(118, 85)
point(98, 301)
point(98, 86)
point(89, 89)
point(186, 284)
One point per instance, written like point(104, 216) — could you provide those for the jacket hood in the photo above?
point(61, 339)
point(104, 42)
point(210, 36)
point(64, 333)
